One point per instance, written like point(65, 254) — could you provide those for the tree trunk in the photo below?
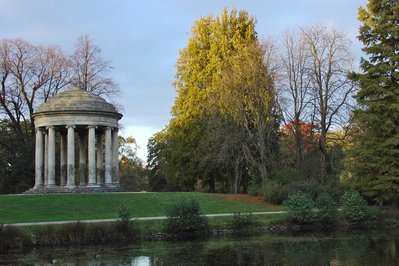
point(212, 184)
point(237, 175)
point(263, 175)
point(323, 159)
point(245, 182)
point(395, 205)
point(298, 154)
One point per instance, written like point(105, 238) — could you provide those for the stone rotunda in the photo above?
point(76, 144)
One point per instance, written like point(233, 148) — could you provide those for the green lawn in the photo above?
point(60, 207)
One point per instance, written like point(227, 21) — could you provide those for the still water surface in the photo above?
point(342, 248)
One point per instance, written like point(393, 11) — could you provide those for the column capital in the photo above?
point(92, 126)
point(38, 129)
point(48, 127)
point(70, 126)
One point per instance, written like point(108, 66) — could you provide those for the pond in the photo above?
point(339, 248)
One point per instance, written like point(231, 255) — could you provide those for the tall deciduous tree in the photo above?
point(28, 76)
point(246, 95)
point(376, 158)
point(199, 66)
point(332, 89)
point(295, 90)
point(91, 69)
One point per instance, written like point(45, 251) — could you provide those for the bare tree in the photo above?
point(58, 71)
point(294, 89)
point(28, 72)
point(90, 69)
point(330, 64)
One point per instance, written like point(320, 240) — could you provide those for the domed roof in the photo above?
point(76, 100)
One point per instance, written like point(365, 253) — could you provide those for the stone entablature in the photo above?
point(76, 120)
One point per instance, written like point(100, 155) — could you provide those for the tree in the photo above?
point(295, 90)
point(376, 157)
point(90, 69)
point(29, 75)
point(246, 95)
point(132, 173)
point(212, 41)
point(332, 89)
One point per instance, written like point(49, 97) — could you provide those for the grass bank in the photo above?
point(70, 207)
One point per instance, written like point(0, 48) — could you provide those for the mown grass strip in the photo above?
point(67, 207)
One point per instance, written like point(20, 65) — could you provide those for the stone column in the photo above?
point(39, 159)
point(115, 161)
point(82, 158)
point(71, 156)
point(45, 158)
point(51, 157)
point(100, 159)
point(63, 159)
point(108, 156)
point(92, 156)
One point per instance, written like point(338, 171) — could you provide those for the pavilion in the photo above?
point(76, 122)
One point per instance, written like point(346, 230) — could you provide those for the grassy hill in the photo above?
point(66, 207)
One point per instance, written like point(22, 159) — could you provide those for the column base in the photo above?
point(70, 185)
point(50, 186)
point(93, 185)
point(112, 185)
point(38, 186)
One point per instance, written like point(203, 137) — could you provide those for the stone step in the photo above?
point(63, 189)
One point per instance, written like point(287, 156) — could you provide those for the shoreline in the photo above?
point(279, 227)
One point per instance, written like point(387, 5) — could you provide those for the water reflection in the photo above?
point(345, 248)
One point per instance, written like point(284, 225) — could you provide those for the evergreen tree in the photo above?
point(376, 166)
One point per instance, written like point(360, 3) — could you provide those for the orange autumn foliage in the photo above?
point(310, 133)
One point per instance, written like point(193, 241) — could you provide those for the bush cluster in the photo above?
point(354, 207)
point(185, 219)
point(277, 193)
point(326, 208)
point(243, 222)
point(300, 208)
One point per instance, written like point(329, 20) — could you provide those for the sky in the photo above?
point(142, 38)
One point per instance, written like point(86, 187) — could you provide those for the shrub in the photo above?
point(326, 208)
point(354, 207)
point(309, 187)
point(14, 238)
point(185, 219)
point(73, 233)
point(126, 228)
point(243, 221)
point(275, 193)
point(300, 208)
point(254, 189)
point(285, 176)
point(47, 236)
point(374, 213)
